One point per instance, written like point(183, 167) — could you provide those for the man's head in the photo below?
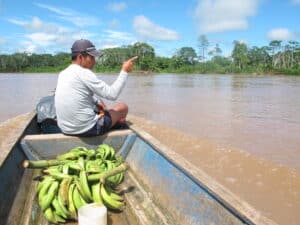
point(84, 53)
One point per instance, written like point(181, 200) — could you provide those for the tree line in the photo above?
point(278, 57)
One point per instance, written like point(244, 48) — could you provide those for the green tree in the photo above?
point(216, 51)
point(187, 54)
point(146, 54)
point(275, 47)
point(259, 56)
point(162, 63)
point(239, 54)
point(203, 45)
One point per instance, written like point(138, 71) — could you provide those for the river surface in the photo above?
point(259, 115)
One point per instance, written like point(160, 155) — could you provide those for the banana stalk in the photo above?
point(102, 176)
point(42, 163)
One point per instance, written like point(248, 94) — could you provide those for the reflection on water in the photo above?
point(257, 114)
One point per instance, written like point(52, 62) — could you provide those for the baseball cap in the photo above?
point(85, 46)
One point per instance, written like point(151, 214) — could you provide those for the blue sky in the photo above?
point(52, 26)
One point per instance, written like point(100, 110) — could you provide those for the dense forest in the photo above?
point(277, 58)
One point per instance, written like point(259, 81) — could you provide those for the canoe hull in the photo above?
point(160, 186)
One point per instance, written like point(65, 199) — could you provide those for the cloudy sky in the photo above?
point(51, 26)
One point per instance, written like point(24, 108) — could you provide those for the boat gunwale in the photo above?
point(7, 145)
point(60, 136)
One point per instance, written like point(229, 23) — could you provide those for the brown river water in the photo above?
point(242, 130)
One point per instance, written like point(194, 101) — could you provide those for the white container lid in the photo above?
point(92, 214)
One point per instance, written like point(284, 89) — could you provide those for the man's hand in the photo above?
point(101, 105)
point(127, 65)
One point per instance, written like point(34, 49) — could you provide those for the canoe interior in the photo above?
point(157, 190)
point(11, 174)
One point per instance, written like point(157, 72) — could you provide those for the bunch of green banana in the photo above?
point(105, 151)
point(79, 177)
point(111, 199)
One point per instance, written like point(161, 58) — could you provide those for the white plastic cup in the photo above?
point(92, 214)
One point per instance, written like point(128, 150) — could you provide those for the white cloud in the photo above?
point(42, 39)
point(295, 2)
point(117, 6)
point(2, 40)
point(117, 35)
point(17, 22)
point(30, 48)
point(37, 25)
point(280, 34)
point(71, 16)
point(114, 23)
point(223, 15)
point(63, 11)
point(56, 42)
point(81, 21)
point(149, 30)
point(113, 39)
point(109, 45)
point(47, 37)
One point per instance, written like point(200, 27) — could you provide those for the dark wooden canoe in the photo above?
point(160, 187)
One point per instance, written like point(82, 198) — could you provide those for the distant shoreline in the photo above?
point(152, 73)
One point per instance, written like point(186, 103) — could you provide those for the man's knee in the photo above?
point(123, 107)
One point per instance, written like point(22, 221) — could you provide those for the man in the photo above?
point(75, 94)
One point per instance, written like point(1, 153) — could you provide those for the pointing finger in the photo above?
point(133, 59)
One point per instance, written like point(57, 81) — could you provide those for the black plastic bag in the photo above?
point(46, 115)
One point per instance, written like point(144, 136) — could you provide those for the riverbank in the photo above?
point(140, 72)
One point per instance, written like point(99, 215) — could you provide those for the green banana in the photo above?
point(65, 169)
point(80, 189)
point(116, 179)
point(99, 155)
point(96, 193)
point(118, 160)
point(92, 168)
point(107, 151)
point(44, 189)
point(46, 201)
point(78, 200)
point(112, 153)
point(121, 178)
point(53, 168)
point(103, 150)
point(74, 166)
point(49, 215)
point(90, 154)
point(63, 207)
point(84, 184)
point(71, 206)
point(58, 209)
point(109, 165)
point(109, 201)
point(56, 175)
point(113, 195)
point(41, 183)
point(63, 189)
point(79, 149)
point(81, 163)
point(58, 218)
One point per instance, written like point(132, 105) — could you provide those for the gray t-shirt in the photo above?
point(74, 100)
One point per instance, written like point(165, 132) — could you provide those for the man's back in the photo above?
point(73, 101)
